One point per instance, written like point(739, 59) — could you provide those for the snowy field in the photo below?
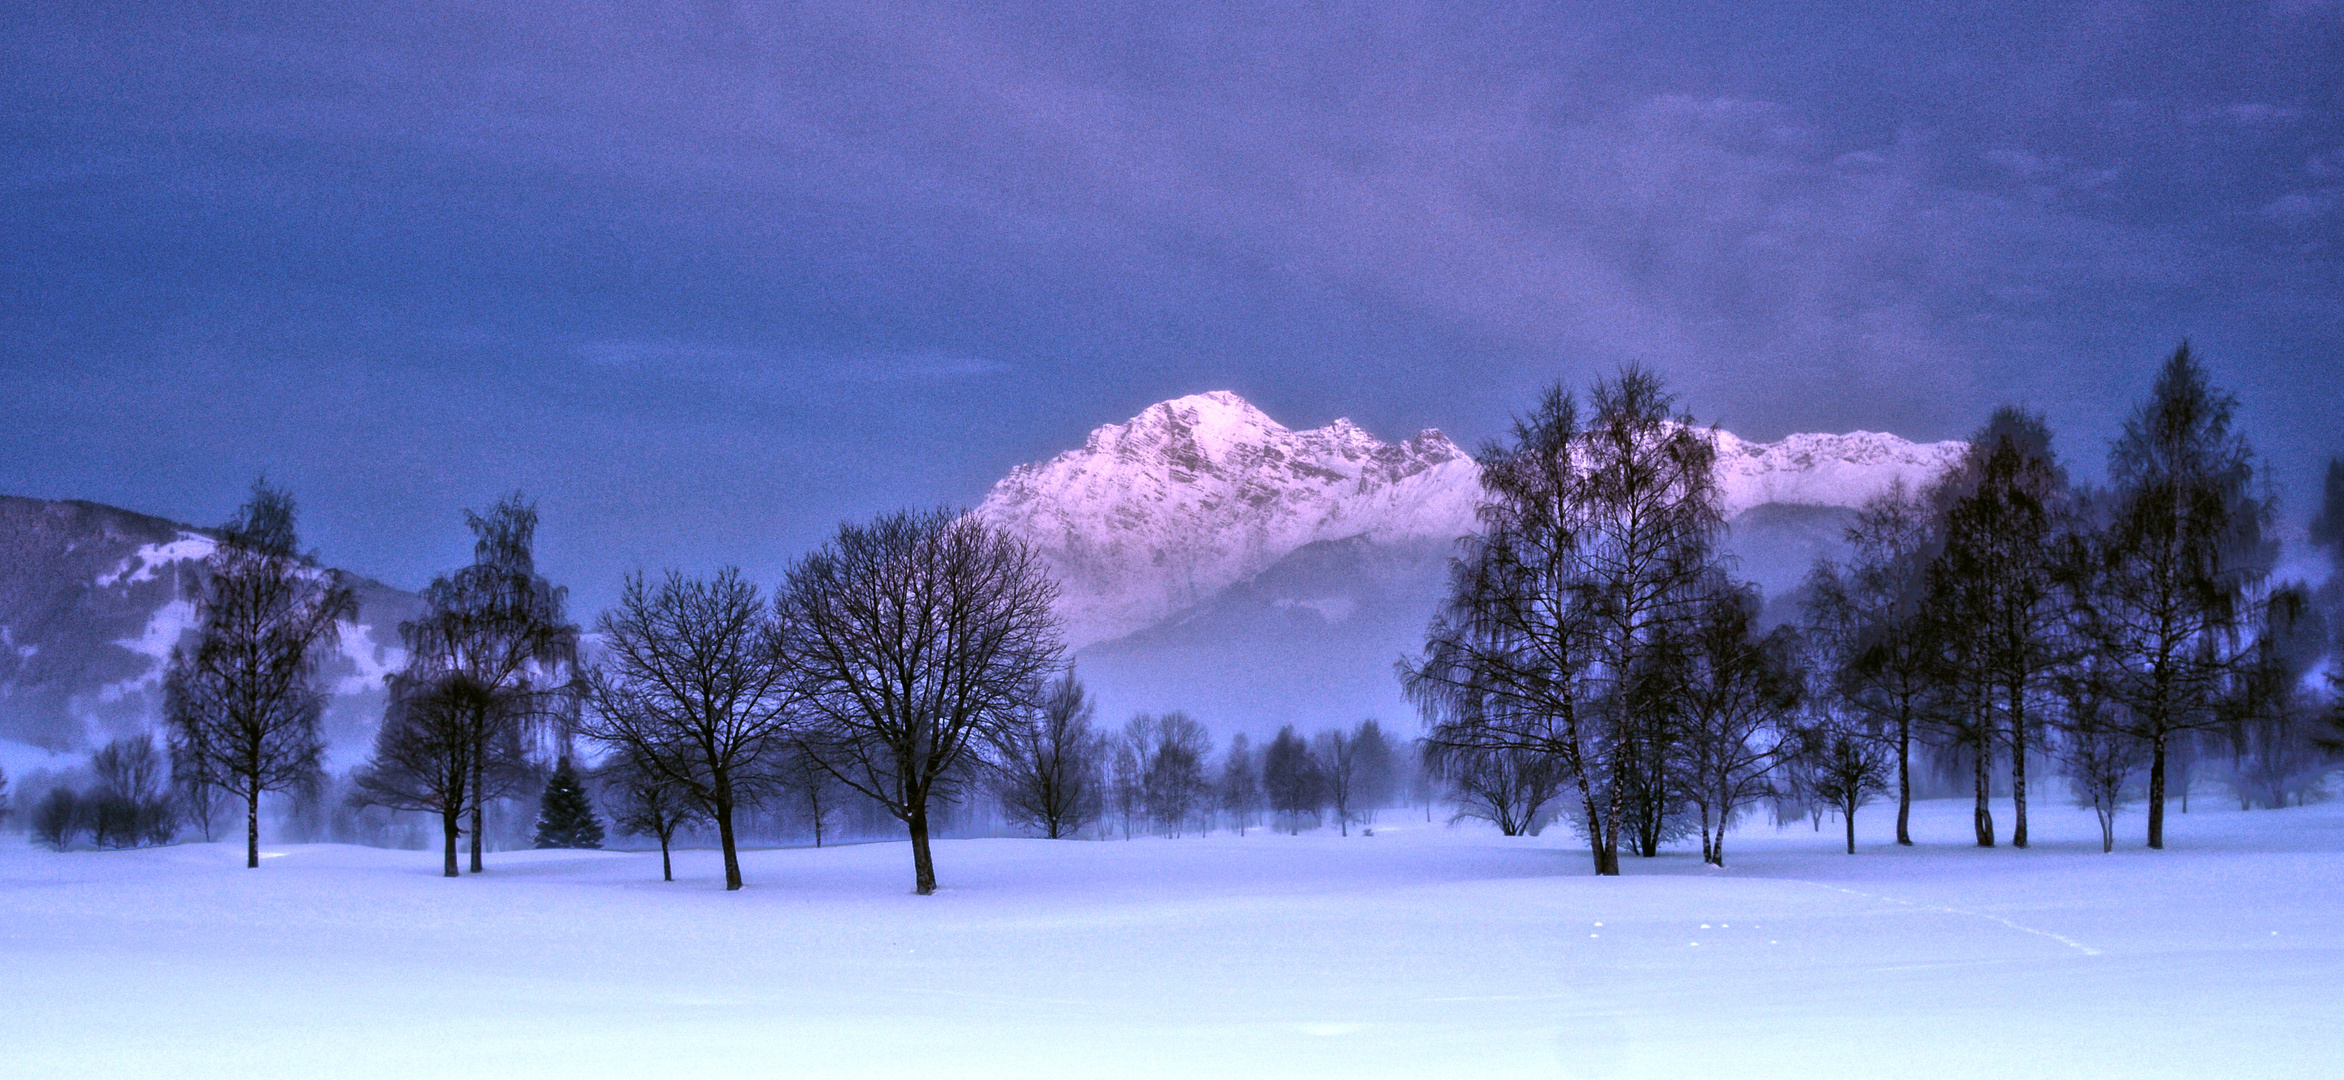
point(1419, 952)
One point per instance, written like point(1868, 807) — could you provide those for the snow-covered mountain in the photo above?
point(92, 599)
point(1160, 514)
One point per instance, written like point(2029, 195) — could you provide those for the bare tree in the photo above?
point(1867, 623)
point(197, 789)
point(1052, 768)
point(650, 803)
point(1996, 588)
point(1127, 782)
point(130, 805)
point(429, 756)
point(1728, 692)
point(1291, 778)
point(2101, 751)
point(2187, 538)
point(1845, 769)
point(58, 818)
point(1338, 764)
point(807, 784)
point(1240, 788)
point(243, 704)
point(500, 628)
point(1591, 537)
point(1377, 766)
point(916, 643)
point(1507, 663)
point(1512, 789)
point(692, 687)
point(2268, 717)
point(1175, 748)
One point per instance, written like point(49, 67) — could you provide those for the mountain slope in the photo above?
point(1160, 513)
point(92, 600)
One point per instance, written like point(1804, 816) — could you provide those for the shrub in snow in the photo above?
point(130, 806)
point(58, 819)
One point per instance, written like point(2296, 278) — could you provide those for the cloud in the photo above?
point(667, 360)
point(1057, 213)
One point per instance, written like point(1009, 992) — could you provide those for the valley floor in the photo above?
point(1419, 952)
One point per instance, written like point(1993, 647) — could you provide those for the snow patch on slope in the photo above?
point(372, 658)
point(163, 631)
point(148, 560)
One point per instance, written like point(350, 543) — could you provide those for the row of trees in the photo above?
point(2004, 614)
point(891, 657)
point(909, 659)
point(894, 654)
point(1058, 773)
point(1595, 642)
point(130, 801)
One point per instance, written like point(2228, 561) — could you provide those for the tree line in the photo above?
point(909, 660)
point(1061, 774)
point(1596, 648)
point(1596, 662)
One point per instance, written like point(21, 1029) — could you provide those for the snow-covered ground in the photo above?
point(1418, 952)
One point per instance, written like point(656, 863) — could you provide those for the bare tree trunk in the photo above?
point(1850, 811)
point(2018, 766)
point(1607, 838)
point(1904, 779)
point(667, 868)
point(923, 867)
point(252, 829)
point(2157, 791)
point(724, 837)
point(1982, 819)
point(451, 824)
point(1602, 838)
point(479, 782)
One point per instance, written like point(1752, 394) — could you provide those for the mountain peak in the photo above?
point(1164, 510)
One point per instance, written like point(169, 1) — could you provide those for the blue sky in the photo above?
point(706, 278)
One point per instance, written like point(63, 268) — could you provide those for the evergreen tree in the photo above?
point(565, 816)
